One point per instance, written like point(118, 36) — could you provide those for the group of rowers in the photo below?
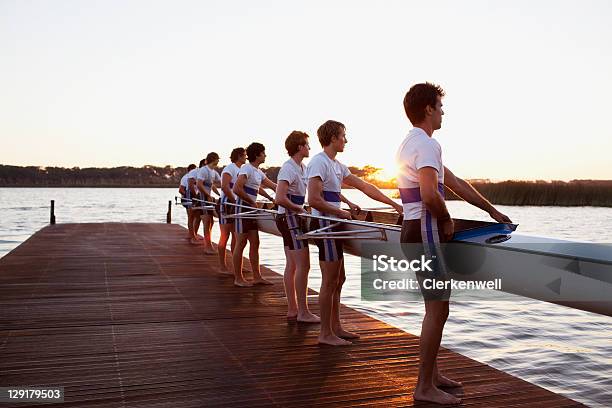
point(421, 181)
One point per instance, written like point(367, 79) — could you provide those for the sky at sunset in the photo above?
point(110, 83)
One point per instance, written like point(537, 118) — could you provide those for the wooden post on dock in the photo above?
point(52, 218)
point(169, 213)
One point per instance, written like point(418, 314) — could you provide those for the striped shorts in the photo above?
point(225, 210)
point(291, 226)
point(428, 236)
point(330, 250)
point(244, 225)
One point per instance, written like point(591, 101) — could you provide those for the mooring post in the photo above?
point(169, 213)
point(52, 220)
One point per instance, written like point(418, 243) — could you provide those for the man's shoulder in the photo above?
point(317, 160)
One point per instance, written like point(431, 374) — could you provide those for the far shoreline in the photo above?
point(528, 199)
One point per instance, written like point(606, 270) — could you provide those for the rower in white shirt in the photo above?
point(249, 183)
point(325, 178)
point(207, 181)
point(186, 199)
point(290, 195)
point(427, 222)
point(226, 225)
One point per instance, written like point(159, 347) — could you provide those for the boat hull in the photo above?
point(568, 273)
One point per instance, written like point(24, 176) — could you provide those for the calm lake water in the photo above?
point(564, 350)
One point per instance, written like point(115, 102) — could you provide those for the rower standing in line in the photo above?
point(421, 182)
point(208, 181)
point(226, 225)
point(248, 184)
point(290, 194)
point(325, 178)
point(196, 208)
point(186, 199)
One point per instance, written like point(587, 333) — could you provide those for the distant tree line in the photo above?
point(539, 193)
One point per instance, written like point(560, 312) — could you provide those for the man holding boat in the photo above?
point(325, 178)
point(421, 182)
point(226, 225)
point(196, 208)
point(249, 183)
point(290, 195)
point(207, 181)
point(186, 198)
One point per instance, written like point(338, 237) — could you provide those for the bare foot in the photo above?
point(291, 315)
point(199, 237)
point(261, 281)
point(224, 271)
point(435, 395)
point(242, 283)
point(443, 381)
point(194, 241)
point(346, 334)
point(333, 340)
point(210, 252)
point(308, 318)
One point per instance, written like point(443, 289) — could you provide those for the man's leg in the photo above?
point(226, 230)
point(289, 283)
point(301, 259)
point(189, 223)
point(436, 313)
point(442, 381)
point(336, 324)
point(330, 273)
point(254, 258)
point(208, 224)
point(197, 214)
point(241, 241)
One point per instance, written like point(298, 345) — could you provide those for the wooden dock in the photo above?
point(131, 315)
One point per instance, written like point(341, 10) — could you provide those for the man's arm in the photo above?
point(467, 192)
point(216, 183)
point(282, 188)
point(433, 200)
point(226, 179)
point(266, 182)
point(354, 207)
point(316, 201)
point(192, 187)
point(264, 193)
point(239, 190)
point(371, 191)
point(202, 190)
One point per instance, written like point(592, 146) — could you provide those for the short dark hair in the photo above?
point(253, 150)
point(211, 157)
point(191, 167)
point(328, 130)
point(236, 153)
point(202, 163)
point(418, 97)
point(294, 141)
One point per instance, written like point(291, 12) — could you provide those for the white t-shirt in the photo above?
point(208, 177)
point(232, 169)
point(331, 172)
point(295, 175)
point(254, 178)
point(417, 150)
point(191, 174)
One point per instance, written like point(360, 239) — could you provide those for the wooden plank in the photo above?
point(133, 315)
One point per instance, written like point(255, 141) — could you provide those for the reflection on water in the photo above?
point(564, 350)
